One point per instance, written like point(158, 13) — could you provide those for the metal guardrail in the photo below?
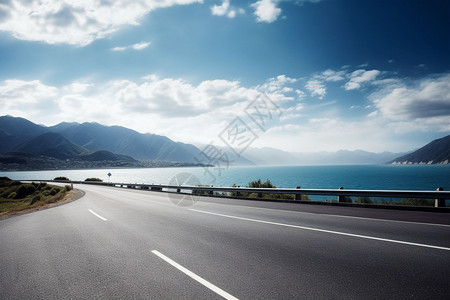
point(439, 195)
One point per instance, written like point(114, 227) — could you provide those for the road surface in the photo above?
point(129, 244)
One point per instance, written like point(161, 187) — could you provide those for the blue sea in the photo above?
point(390, 177)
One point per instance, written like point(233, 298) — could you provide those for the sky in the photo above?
point(300, 76)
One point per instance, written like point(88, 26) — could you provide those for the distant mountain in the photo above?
point(271, 156)
point(105, 155)
point(92, 142)
point(121, 140)
point(356, 157)
point(436, 152)
point(52, 145)
point(16, 131)
point(66, 140)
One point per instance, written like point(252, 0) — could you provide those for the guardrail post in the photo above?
point(439, 202)
point(298, 196)
point(178, 190)
point(341, 198)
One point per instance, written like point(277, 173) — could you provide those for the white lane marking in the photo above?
point(97, 215)
point(324, 230)
point(348, 217)
point(337, 216)
point(386, 220)
point(194, 276)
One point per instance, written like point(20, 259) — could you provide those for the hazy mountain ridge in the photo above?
point(124, 141)
point(16, 131)
point(52, 145)
point(270, 156)
point(71, 140)
point(435, 152)
point(96, 142)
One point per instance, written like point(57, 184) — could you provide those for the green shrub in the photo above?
point(15, 183)
point(54, 191)
point(5, 181)
point(259, 184)
point(93, 179)
point(30, 189)
point(68, 188)
point(46, 193)
point(35, 199)
point(42, 185)
point(12, 195)
point(21, 192)
point(417, 202)
point(5, 193)
point(61, 178)
point(364, 200)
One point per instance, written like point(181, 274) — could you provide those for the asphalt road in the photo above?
point(129, 244)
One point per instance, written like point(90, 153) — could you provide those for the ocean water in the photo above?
point(389, 177)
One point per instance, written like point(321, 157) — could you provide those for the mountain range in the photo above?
point(436, 152)
point(85, 145)
point(89, 141)
point(271, 156)
point(28, 146)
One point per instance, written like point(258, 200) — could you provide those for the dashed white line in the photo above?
point(194, 276)
point(324, 230)
point(97, 215)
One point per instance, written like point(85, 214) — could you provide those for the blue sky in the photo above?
point(346, 74)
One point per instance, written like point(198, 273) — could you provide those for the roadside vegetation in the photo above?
point(404, 201)
point(16, 196)
point(93, 179)
point(268, 185)
point(255, 184)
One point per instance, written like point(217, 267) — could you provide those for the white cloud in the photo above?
point(330, 75)
point(74, 22)
point(278, 84)
point(333, 134)
point(427, 99)
point(300, 94)
point(137, 46)
point(266, 10)
point(168, 106)
point(316, 85)
point(220, 10)
point(226, 10)
point(76, 87)
point(197, 113)
point(316, 88)
point(360, 77)
point(140, 46)
point(17, 92)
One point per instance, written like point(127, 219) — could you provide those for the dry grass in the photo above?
point(17, 197)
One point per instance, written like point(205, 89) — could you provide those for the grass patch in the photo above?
point(16, 196)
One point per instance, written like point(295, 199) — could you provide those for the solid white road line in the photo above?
point(324, 230)
point(339, 216)
point(97, 215)
point(194, 276)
